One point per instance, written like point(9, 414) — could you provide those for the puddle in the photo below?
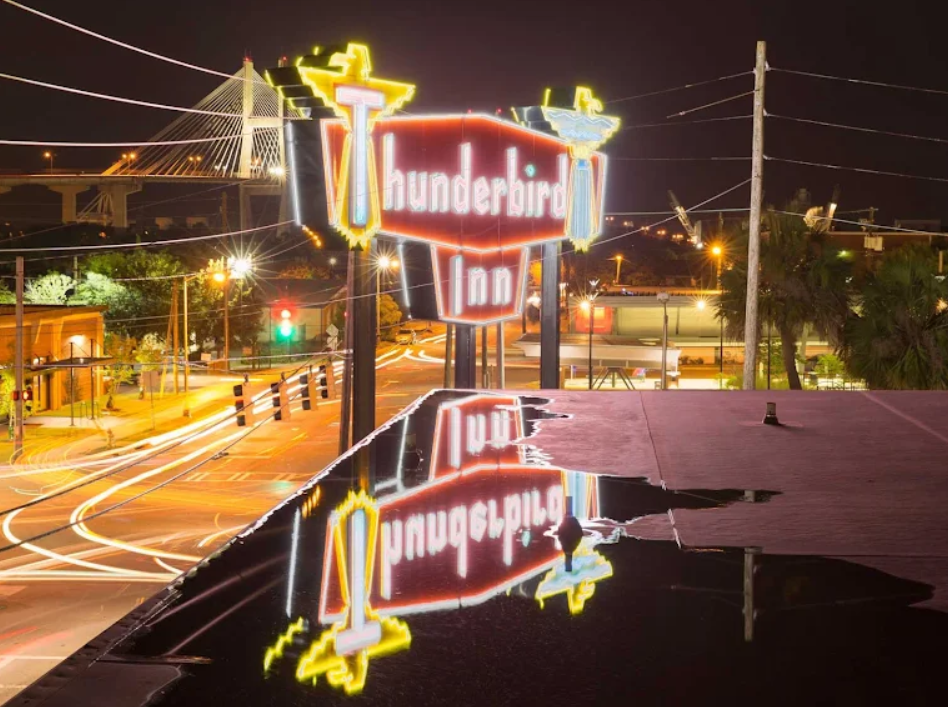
point(446, 563)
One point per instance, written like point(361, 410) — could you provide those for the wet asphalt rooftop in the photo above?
point(580, 549)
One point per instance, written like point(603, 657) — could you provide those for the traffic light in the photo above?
point(285, 327)
point(308, 390)
point(327, 382)
point(281, 401)
point(243, 404)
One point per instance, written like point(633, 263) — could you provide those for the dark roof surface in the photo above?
point(430, 566)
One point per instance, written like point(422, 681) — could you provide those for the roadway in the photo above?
point(183, 494)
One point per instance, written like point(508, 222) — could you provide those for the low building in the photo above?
point(62, 352)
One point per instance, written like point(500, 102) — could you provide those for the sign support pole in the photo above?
point(364, 308)
point(345, 411)
point(501, 372)
point(465, 353)
point(485, 374)
point(550, 316)
point(448, 354)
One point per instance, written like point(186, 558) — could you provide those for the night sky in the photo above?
point(490, 54)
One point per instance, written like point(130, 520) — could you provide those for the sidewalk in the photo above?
point(55, 435)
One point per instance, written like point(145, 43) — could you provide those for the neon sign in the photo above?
point(477, 431)
point(484, 522)
point(480, 190)
point(585, 131)
point(342, 652)
point(360, 100)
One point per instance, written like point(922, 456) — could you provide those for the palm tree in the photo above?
point(803, 282)
point(897, 338)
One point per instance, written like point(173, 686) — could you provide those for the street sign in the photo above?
point(332, 330)
point(150, 380)
point(332, 343)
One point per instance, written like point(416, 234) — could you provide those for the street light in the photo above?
point(49, 156)
point(618, 260)
point(663, 297)
point(587, 305)
point(222, 272)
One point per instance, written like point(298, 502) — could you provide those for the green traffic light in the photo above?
point(285, 330)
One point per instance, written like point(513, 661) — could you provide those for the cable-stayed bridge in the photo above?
point(234, 135)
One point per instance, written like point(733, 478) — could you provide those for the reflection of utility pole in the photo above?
point(750, 560)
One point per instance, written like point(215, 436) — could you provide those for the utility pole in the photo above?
point(174, 334)
point(753, 245)
point(227, 323)
point(18, 362)
point(187, 348)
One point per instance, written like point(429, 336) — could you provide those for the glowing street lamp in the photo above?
point(587, 305)
point(49, 156)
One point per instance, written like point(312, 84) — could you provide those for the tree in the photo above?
point(7, 386)
point(121, 348)
point(51, 288)
point(99, 289)
point(390, 316)
point(897, 337)
point(803, 282)
point(6, 297)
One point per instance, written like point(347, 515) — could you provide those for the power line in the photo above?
point(867, 226)
point(118, 43)
point(663, 213)
point(669, 90)
point(120, 99)
point(677, 159)
point(666, 220)
point(687, 122)
point(863, 170)
point(144, 244)
point(881, 84)
point(710, 105)
point(857, 128)
point(160, 143)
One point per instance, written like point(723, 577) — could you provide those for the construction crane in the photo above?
point(693, 231)
point(819, 218)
